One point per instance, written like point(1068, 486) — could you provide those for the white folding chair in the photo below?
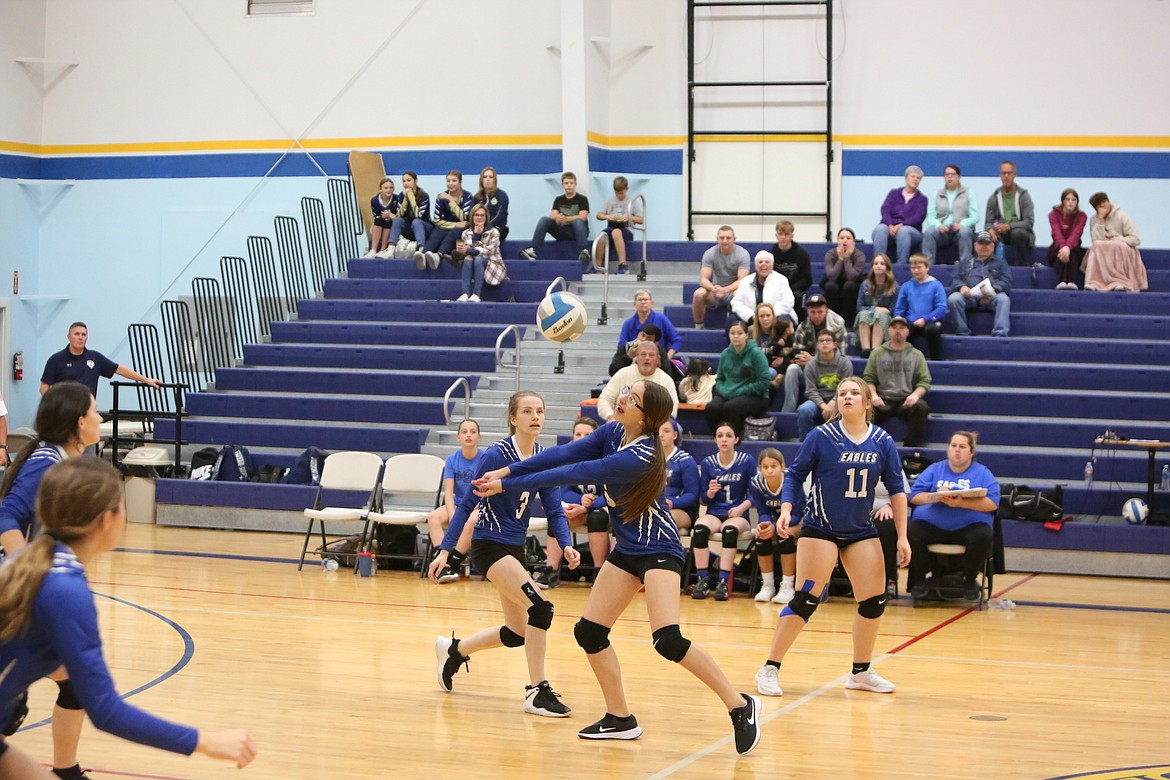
point(414, 482)
point(356, 471)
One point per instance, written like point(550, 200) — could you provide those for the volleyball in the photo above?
point(561, 316)
point(1135, 511)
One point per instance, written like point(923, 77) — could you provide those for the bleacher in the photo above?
point(365, 366)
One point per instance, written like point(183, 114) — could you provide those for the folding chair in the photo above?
point(411, 476)
point(356, 471)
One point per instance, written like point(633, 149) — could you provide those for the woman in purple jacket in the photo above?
point(1068, 225)
point(903, 213)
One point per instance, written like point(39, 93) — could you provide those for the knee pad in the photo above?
point(765, 547)
point(872, 607)
point(541, 615)
point(597, 521)
point(671, 644)
point(803, 605)
point(592, 637)
point(700, 537)
point(67, 697)
point(730, 537)
point(510, 638)
point(786, 546)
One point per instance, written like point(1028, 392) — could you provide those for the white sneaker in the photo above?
point(1090, 286)
point(528, 254)
point(432, 260)
point(768, 681)
point(387, 253)
point(868, 680)
point(766, 592)
point(461, 298)
point(785, 594)
point(370, 255)
point(420, 262)
point(473, 298)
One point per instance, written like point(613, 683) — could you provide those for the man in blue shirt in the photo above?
point(79, 364)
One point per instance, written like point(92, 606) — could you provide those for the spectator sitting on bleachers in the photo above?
point(479, 246)
point(844, 270)
point(819, 318)
point(1113, 261)
point(903, 212)
point(820, 384)
point(897, 374)
point(618, 212)
point(1011, 216)
point(776, 337)
point(644, 368)
point(922, 302)
point(1068, 226)
point(495, 200)
point(644, 314)
point(461, 467)
point(682, 477)
point(792, 262)
point(624, 355)
point(764, 286)
point(452, 217)
point(970, 288)
point(951, 216)
point(698, 384)
point(722, 268)
point(568, 221)
point(408, 231)
point(384, 207)
point(950, 519)
point(875, 304)
point(584, 506)
point(742, 383)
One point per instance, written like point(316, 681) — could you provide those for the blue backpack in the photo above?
point(234, 464)
point(307, 468)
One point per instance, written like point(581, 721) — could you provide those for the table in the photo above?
point(1149, 445)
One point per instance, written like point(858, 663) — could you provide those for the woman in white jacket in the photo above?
point(1113, 261)
point(764, 286)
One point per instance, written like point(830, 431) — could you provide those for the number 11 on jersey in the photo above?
point(853, 492)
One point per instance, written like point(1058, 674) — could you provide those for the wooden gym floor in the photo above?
point(335, 677)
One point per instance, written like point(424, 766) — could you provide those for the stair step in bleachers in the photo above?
point(370, 333)
point(518, 270)
point(303, 406)
point(416, 311)
point(374, 358)
point(337, 381)
point(429, 289)
point(296, 435)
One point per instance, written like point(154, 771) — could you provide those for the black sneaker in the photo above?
point(721, 593)
point(548, 578)
point(541, 699)
point(972, 590)
point(72, 773)
point(448, 575)
point(612, 727)
point(745, 721)
point(701, 591)
point(449, 658)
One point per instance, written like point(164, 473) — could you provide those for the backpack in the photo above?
point(914, 465)
point(268, 474)
point(759, 429)
point(306, 469)
point(234, 464)
point(1020, 502)
point(203, 463)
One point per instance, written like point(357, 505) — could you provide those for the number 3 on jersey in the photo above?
point(854, 491)
point(527, 494)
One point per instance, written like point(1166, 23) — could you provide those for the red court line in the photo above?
point(953, 618)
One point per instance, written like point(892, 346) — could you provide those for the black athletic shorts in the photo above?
point(808, 532)
point(384, 222)
point(485, 552)
point(692, 512)
point(638, 565)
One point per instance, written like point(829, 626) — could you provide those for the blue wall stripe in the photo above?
point(1031, 164)
point(663, 161)
point(15, 166)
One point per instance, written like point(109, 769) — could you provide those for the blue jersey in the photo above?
point(18, 510)
point(600, 457)
point(682, 480)
point(504, 517)
point(64, 630)
point(766, 502)
point(733, 481)
point(938, 476)
point(461, 470)
point(844, 475)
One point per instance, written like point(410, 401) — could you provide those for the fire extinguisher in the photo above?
point(18, 366)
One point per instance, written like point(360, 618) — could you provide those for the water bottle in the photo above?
point(1088, 473)
point(1166, 477)
point(329, 564)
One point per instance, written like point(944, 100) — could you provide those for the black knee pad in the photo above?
point(764, 548)
point(541, 615)
point(671, 644)
point(597, 521)
point(786, 546)
point(592, 637)
point(730, 536)
point(67, 697)
point(700, 537)
point(872, 607)
point(803, 605)
point(510, 638)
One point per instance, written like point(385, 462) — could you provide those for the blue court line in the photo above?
point(1100, 772)
point(223, 556)
point(1103, 607)
point(188, 654)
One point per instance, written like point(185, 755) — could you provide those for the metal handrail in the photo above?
point(552, 285)
point(602, 240)
point(466, 399)
point(500, 351)
point(645, 233)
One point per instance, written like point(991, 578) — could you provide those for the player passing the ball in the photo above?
point(48, 619)
point(497, 551)
point(845, 458)
point(626, 457)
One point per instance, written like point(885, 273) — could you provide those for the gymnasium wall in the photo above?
point(179, 127)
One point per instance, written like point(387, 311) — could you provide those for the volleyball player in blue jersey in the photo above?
point(766, 494)
point(497, 551)
point(48, 620)
point(845, 457)
point(626, 457)
point(723, 483)
point(682, 477)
